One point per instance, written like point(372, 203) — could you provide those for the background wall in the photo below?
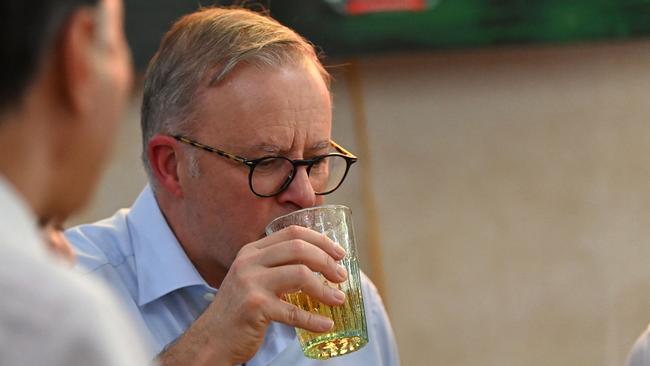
point(510, 188)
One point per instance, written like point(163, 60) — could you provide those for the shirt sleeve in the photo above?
point(381, 335)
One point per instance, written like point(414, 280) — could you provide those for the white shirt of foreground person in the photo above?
point(50, 315)
point(640, 354)
point(137, 253)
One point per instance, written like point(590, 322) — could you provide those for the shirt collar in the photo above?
point(18, 226)
point(161, 263)
point(163, 267)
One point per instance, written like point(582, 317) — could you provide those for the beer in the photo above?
point(349, 331)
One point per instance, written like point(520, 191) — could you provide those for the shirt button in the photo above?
point(208, 296)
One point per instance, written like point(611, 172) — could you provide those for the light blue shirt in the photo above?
point(136, 252)
point(640, 353)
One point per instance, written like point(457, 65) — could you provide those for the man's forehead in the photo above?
point(268, 113)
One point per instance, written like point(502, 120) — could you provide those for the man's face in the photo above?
point(255, 112)
point(110, 82)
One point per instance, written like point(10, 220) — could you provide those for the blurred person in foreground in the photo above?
point(236, 119)
point(65, 71)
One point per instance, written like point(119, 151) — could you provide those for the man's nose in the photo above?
point(300, 191)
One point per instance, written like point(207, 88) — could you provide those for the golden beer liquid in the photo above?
point(349, 331)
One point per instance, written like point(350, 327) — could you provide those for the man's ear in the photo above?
point(78, 58)
point(163, 159)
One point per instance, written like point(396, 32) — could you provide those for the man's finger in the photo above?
point(291, 315)
point(298, 277)
point(302, 233)
point(298, 251)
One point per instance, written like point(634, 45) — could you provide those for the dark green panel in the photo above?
point(466, 23)
point(450, 24)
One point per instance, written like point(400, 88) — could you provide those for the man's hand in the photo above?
point(232, 328)
point(57, 243)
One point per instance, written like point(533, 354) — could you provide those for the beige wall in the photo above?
point(512, 199)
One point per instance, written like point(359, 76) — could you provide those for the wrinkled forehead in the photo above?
point(267, 105)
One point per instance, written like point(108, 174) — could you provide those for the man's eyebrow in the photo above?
point(321, 145)
point(274, 149)
point(265, 148)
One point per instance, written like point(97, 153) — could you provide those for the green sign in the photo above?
point(444, 24)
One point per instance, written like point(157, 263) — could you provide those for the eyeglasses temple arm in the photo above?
point(342, 149)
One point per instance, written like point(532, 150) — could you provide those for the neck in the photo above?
point(211, 273)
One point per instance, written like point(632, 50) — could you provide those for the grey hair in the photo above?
point(200, 51)
point(193, 164)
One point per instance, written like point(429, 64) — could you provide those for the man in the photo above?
point(65, 74)
point(236, 113)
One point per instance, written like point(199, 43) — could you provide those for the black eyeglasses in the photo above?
point(270, 175)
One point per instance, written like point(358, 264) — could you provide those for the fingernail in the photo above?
point(339, 295)
point(327, 323)
point(341, 271)
point(340, 251)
